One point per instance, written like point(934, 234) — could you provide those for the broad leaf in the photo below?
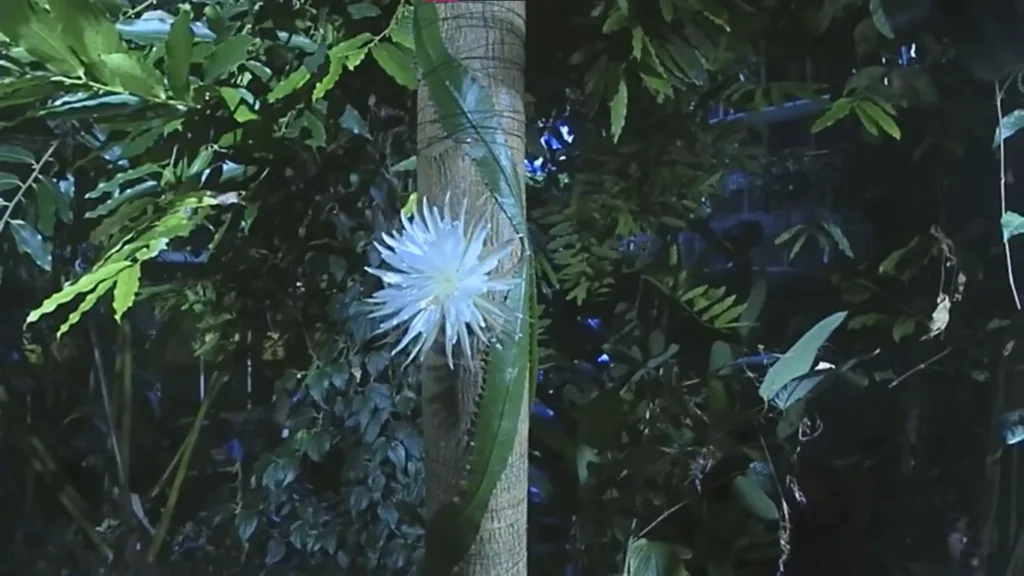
point(750, 495)
point(30, 241)
point(37, 32)
point(1008, 126)
point(11, 154)
point(397, 62)
point(128, 72)
point(879, 18)
point(799, 359)
point(649, 558)
point(1012, 224)
point(178, 54)
point(88, 28)
point(227, 56)
point(839, 110)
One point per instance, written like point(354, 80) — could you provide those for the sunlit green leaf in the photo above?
point(882, 118)
point(839, 110)
point(82, 285)
point(39, 34)
point(126, 71)
point(241, 103)
point(397, 62)
point(88, 28)
point(125, 290)
point(227, 56)
point(347, 54)
point(290, 84)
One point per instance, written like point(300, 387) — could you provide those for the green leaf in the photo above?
point(227, 56)
point(290, 84)
point(241, 103)
point(363, 10)
point(407, 165)
point(618, 106)
point(46, 188)
point(839, 110)
point(276, 549)
point(9, 181)
point(881, 117)
point(668, 9)
point(397, 62)
point(866, 120)
point(30, 241)
point(638, 43)
point(11, 154)
point(648, 558)
point(127, 72)
point(82, 285)
point(902, 327)
point(246, 524)
point(1008, 126)
point(24, 23)
point(178, 53)
point(750, 495)
point(839, 238)
point(87, 304)
point(466, 108)
point(1012, 224)
point(401, 27)
point(125, 290)
point(880, 20)
point(45, 208)
point(89, 29)
point(347, 54)
point(799, 359)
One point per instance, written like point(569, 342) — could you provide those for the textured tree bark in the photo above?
point(488, 39)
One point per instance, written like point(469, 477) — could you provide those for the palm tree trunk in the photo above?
point(488, 39)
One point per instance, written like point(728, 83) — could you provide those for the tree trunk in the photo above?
point(488, 39)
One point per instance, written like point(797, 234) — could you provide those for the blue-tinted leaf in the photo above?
point(30, 241)
point(1012, 224)
point(799, 359)
point(1008, 126)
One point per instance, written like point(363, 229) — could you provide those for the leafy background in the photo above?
point(776, 323)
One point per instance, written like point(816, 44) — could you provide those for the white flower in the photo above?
point(441, 277)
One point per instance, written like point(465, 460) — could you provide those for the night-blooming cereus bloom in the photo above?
point(441, 278)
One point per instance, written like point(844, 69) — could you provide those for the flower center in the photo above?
point(447, 284)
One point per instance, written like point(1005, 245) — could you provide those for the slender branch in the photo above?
point(108, 407)
point(25, 185)
point(920, 366)
point(188, 447)
point(1002, 193)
